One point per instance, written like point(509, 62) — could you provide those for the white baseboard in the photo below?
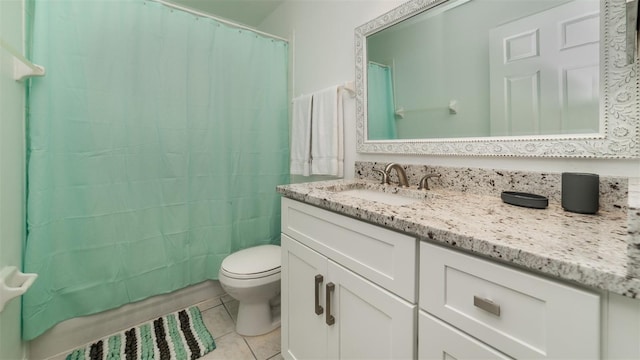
point(76, 332)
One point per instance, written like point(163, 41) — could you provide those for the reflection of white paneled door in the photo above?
point(544, 72)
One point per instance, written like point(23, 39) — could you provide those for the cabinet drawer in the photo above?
point(382, 256)
point(521, 314)
point(439, 340)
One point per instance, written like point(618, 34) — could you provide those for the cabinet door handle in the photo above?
point(486, 305)
point(318, 308)
point(330, 320)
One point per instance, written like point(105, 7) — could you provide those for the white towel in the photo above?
point(301, 136)
point(327, 149)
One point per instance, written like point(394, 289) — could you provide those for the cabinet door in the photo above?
point(304, 333)
point(439, 340)
point(370, 322)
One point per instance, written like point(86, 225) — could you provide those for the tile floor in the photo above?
point(219, 316)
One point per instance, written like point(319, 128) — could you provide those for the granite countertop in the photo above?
point(590, 250)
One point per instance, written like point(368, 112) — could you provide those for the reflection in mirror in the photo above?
point(485, 68)
point(535, 78)
point(381, 104)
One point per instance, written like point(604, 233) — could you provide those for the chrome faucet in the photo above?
point(424, 182)
point(385, 176)
point(402, 176)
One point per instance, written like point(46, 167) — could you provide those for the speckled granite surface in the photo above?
point(613, 191)
point(634, 227)
point(591, 250)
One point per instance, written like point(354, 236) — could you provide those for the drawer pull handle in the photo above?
point(318, 308)
point(330, 320)
point(486, 305)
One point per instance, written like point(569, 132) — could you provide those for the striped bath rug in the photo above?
point(177, 336)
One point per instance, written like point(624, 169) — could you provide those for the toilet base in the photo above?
point(257, 318)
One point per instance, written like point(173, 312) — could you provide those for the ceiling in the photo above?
point(246, 12)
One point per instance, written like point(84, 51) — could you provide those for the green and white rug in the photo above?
point(177, 336)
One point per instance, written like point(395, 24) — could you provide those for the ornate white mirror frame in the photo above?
point(619, 102)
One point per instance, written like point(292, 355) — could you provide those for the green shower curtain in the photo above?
point(381, 123)
point(156, 140)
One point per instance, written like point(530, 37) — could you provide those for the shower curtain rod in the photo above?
point(230, 23)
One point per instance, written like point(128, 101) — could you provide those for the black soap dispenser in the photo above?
point(580, 192)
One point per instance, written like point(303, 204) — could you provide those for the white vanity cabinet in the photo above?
point(391, 296)
point(439, 340)
point(496, 311)
point(348, 287)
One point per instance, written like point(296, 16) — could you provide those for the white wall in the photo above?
point(322, 46)
point(12, 228)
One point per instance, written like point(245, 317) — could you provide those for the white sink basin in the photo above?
point(382, 197)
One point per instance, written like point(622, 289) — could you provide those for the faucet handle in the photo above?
point(385, 176)
point(424, 182)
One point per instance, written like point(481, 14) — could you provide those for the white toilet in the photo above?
point(252, 276)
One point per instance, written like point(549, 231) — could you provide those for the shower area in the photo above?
point(154, 145)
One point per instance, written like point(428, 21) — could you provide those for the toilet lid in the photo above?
point(257, 261)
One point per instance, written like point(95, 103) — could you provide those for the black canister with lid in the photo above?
point(580, 192)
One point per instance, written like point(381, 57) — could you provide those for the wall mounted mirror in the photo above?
point(544, 78)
